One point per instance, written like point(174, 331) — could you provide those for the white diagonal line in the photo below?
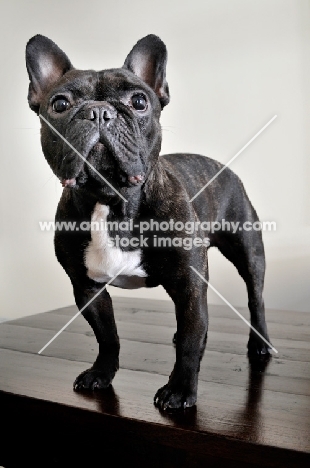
point(81, 156)
point(232, 308)
point(80, 311)
point(233, 158)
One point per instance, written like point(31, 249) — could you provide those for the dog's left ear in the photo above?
point(148, 60)
point(46, 63)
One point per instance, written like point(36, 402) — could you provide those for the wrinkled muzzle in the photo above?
point(108, 139)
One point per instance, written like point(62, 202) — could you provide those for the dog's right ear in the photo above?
point(46, 63)
point(148, 61)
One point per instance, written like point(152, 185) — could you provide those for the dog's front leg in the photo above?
point(192, 326)
point(99, 314)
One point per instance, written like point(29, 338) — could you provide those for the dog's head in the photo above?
point(102, 123)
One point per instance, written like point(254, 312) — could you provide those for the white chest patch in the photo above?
point(103, 260)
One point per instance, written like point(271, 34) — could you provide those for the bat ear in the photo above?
point(148, 60)
point(46, 63)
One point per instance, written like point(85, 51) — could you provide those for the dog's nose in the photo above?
point(99, 111)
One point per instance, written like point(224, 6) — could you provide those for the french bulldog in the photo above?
point(101, 136)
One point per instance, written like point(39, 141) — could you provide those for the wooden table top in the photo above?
point(243, 417)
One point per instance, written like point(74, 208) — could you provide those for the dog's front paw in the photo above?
point(170, 397)
point(92, 379)
point(258, 349)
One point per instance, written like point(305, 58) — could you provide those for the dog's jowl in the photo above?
point(101, 137)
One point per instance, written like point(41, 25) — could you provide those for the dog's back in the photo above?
point(224, 196)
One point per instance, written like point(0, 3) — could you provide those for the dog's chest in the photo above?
point(104, 261)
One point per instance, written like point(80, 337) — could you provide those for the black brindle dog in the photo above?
point(110, 168)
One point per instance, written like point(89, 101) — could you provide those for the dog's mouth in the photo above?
point(108, 171)
point(131, 180)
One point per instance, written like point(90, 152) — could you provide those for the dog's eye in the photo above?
point(139, 102)
point(61, 105)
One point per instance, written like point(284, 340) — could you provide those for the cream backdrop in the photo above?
point(233, 65)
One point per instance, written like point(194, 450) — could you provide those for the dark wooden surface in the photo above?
point(243, 417)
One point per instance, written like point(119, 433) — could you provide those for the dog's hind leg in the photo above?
point(246, 251)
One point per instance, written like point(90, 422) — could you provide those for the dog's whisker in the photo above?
point(170, 131)
point(49, 179)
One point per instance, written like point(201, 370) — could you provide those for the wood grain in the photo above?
point(243, 418)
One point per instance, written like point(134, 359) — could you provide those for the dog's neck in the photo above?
point(150, 195)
